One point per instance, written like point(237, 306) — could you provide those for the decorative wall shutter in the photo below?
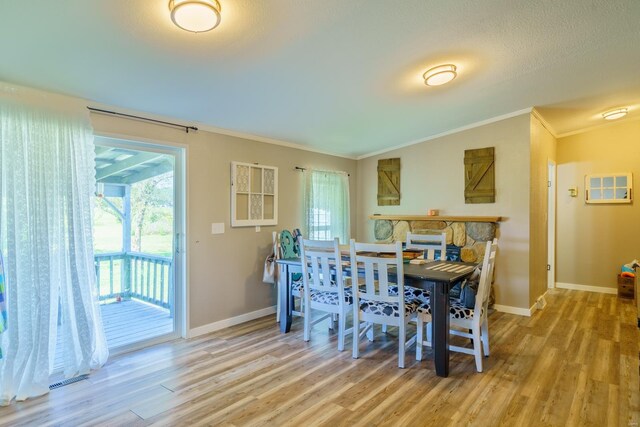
point(388, 182)
point(479, 176)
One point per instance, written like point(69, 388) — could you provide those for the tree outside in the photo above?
point(151, 218)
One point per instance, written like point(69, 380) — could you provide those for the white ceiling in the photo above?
point(335, 75)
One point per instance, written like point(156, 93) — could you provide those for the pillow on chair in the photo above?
point(469, 289)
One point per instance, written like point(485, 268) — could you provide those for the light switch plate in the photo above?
point(217, 228)
point(257, 228)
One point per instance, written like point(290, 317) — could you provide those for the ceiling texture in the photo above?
point(337, 76)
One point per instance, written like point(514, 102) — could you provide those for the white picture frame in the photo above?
point(254, 194)
point(608, 188)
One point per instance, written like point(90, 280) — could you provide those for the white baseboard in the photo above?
point(514, 310)
point(221, 324)
point(598, 289)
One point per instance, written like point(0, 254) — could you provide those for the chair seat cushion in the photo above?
point(388, 309)
point(296, 288)
point(456, 310)
point(332, 298)
point(411, 293)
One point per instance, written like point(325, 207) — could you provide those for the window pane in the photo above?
point(595, 194)
point(621, 193)
point(242, 206)
point(621, 181)
point(268, 207)
point(607, 181)
point(256, 206)
point(256, 180)
point(595, 183)
point(242, 179)
point(608, 194)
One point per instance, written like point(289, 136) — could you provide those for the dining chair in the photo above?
point(469, 319)
point(324, 288)
point(373, 302)
point(435, 248)
point(433, 245)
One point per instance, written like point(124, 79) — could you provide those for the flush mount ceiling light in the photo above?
point(196, 16)
point(615, 114)
point(440, 75)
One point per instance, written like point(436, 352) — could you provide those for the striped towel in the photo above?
point(3, 307)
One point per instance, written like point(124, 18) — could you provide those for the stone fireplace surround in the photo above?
point(465, 234)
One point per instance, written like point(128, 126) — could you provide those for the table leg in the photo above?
point(285, 299)
point(440, 317)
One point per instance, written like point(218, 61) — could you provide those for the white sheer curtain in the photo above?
point(326, 205)
point(47, 179)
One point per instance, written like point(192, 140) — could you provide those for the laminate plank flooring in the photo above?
point(575, 363)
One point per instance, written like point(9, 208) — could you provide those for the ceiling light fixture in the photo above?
point(615, 114)
point(440, 75)
point(196, 16)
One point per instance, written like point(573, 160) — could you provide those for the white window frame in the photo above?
point(237, 217)
point(589, 190)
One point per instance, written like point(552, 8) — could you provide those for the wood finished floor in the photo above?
point(575, 363)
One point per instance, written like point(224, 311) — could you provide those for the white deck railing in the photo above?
point(135, 275)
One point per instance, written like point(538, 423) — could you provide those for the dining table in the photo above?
point(438, 277)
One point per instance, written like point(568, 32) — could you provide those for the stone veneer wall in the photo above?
point(470, 237)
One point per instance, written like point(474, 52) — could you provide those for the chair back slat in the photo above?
point(486, 276)
point(377, 271)
point(429, 243)
point(321, 262)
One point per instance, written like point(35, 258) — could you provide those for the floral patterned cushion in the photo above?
point(411, 293)
point(388, 309)
point(332, 298)
point(296, 288)
point(456, 310)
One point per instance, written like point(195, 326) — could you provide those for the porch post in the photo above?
point(126, 242)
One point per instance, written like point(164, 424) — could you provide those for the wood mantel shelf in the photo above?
point(438, 218)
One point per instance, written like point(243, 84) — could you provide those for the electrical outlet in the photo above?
point(257, 228)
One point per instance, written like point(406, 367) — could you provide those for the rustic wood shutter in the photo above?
point(388, 182)
point(479, 176)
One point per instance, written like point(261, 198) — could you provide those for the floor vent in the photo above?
point(67, 382)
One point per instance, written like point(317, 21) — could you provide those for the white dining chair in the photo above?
point(433, 245)
point(435, 248)
point(468, 319)
point(373, 303)
point(324, 288)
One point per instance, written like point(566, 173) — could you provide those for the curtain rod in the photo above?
point(146, 119)
point(304, 169)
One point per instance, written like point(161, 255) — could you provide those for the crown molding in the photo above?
point(544, 123)
point(595, 127)
point(202, 127)
point(272, 141)
point(450, 132)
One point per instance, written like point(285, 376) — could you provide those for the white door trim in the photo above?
point(551, 223)
point(180, 154)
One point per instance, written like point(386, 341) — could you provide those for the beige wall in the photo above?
point(225, 271)
point(593, 241)
point(432, 176)
point(543, 149)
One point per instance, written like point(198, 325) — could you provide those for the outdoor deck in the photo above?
point(128, 322)
point(131, 321)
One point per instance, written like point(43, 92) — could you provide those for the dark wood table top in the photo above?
point(433, 271)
